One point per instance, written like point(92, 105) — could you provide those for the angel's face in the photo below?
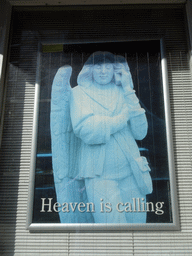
point(103, 73)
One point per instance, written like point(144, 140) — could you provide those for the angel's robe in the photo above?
point(97, 115)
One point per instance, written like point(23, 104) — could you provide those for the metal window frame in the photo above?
point(55, 227)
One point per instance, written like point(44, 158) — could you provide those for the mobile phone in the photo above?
point(118, 79)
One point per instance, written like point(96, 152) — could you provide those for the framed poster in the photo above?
point(102, 156)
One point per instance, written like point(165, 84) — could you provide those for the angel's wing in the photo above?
point(63, 141)
point(65, 149)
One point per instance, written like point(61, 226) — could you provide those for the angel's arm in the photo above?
point(90, 127)
point(138, 121)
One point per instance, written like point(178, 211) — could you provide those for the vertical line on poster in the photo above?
point(104, 57)
point(48, 97)
point(60, 60)
point(152, 124)
point(137, 69)
point(151, 105)
point(71, 60)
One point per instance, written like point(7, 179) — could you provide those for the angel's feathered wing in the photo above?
point(63, 141)
point(65, 150)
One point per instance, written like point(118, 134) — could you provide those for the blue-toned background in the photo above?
point(144, 61)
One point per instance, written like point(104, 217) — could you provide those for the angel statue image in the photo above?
point(99, 174)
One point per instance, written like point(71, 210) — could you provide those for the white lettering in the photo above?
point(43, 204)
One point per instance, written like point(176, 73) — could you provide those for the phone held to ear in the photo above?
point(118, 78)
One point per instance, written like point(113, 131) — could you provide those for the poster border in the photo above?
point(90, 227)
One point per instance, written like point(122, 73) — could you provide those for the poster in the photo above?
point(102, 155)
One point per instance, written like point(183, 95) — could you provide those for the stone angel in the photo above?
point(94, 128)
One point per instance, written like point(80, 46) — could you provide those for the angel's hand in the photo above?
point(122, 77)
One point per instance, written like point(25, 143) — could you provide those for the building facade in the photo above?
point(32, 36)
